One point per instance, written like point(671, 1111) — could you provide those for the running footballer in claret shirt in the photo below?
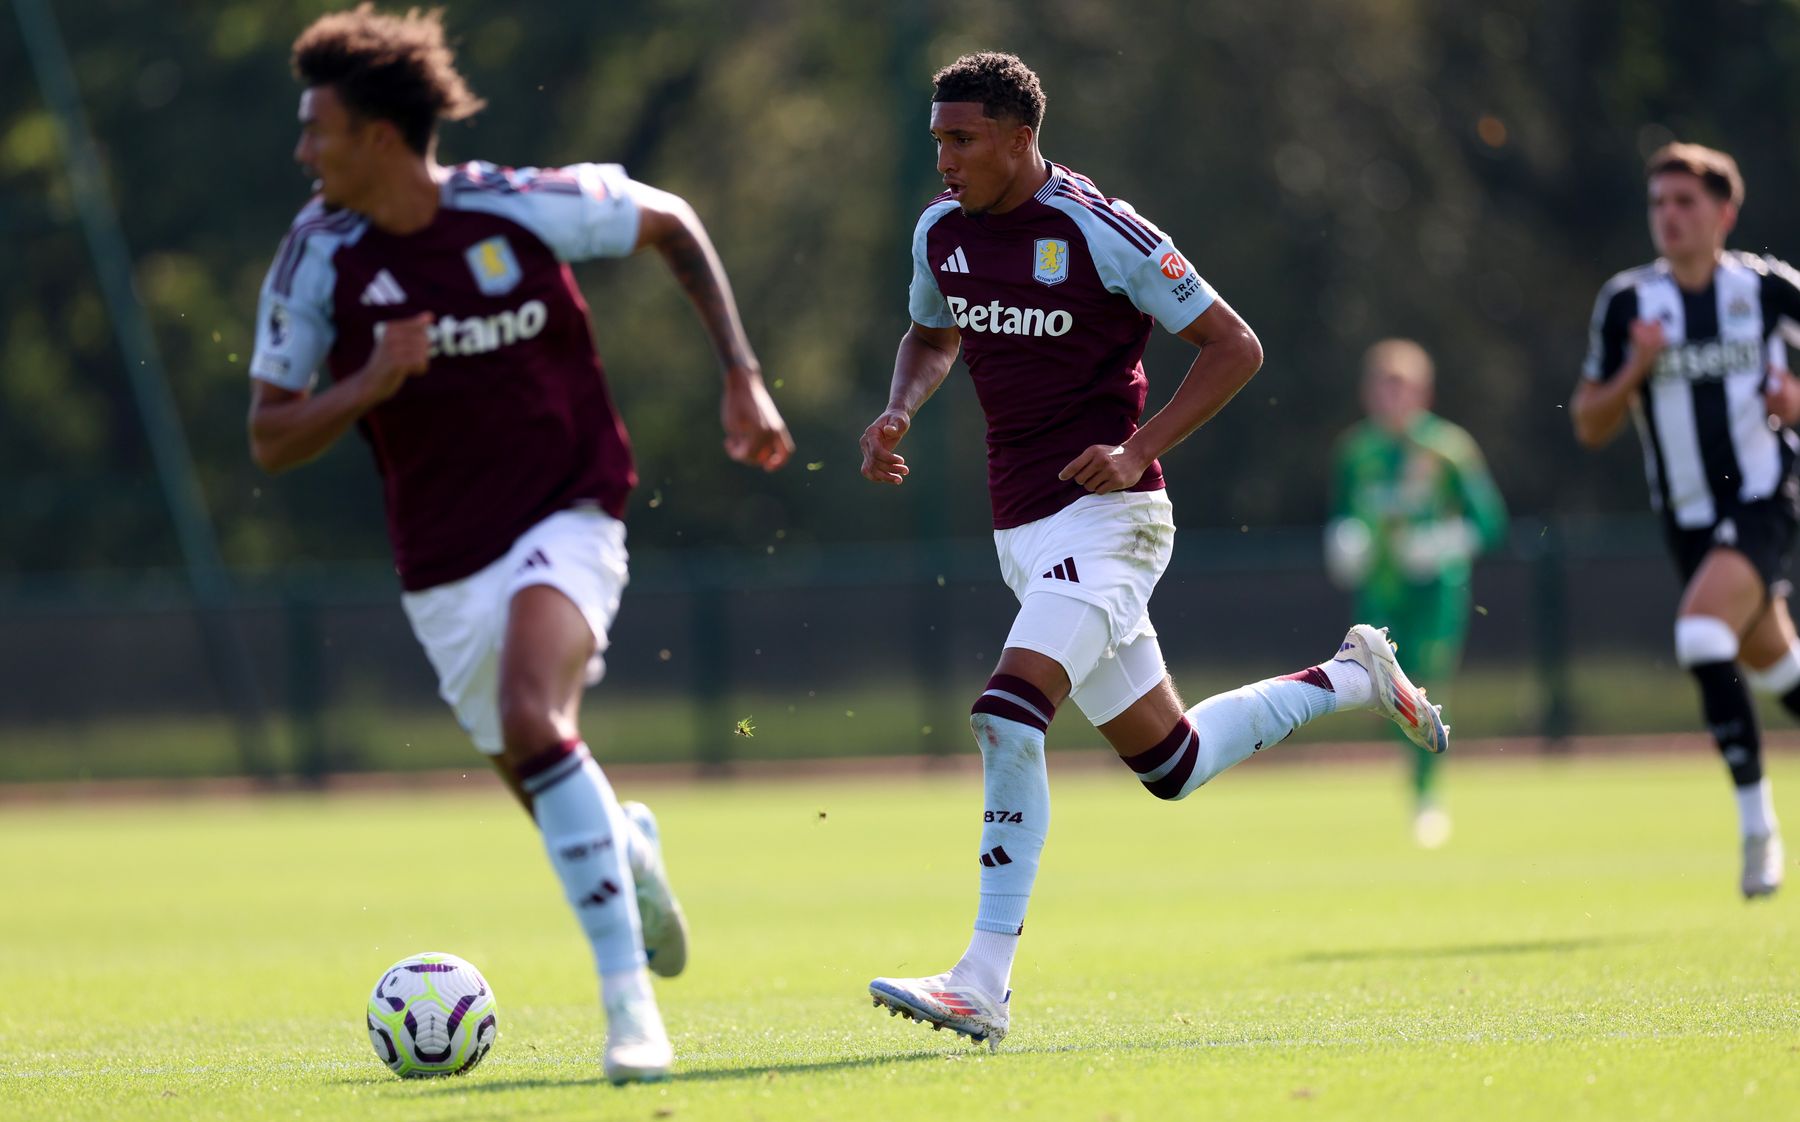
point(1690, 347)
point(1049, 290)
point(439, 305)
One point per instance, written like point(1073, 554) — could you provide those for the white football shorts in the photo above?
point(462, 625)
point(1106, 552)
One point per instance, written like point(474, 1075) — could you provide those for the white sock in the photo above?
point(1015, 819)
point(1756, 809)
point(584, 831)
point(624, 988)
point(987, 964)
point(1350, 682)
point(1229, 728)
point(1009, 722)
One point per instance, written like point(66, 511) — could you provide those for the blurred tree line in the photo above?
point(1465, 174)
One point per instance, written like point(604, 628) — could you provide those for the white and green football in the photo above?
point(432, 1014)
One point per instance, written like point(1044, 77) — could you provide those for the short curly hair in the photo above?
point(1003, 84)
point(395, 68)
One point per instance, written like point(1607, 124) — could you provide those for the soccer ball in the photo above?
point(432, 1014)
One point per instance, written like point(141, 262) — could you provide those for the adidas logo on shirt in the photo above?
point(1064, 570)
point(384, 290)
point(955, 263)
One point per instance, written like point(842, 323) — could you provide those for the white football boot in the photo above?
point(1763, 861)
point(1396, 696)
point(637, 1045)
point(664, 925)
point(943, 1003)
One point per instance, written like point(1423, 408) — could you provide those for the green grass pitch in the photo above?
point(1272, 948)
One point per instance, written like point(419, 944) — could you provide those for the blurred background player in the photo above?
point(1411, 506)
point(1048, 289)
point(440, 301)
point(1683, 345)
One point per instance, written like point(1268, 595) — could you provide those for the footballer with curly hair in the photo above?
point(438, 306)
point(1048, 289)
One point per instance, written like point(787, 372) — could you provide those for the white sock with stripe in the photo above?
point(1756, 809)
point(585, 834)
point(1009, 721)
point(1229, 728)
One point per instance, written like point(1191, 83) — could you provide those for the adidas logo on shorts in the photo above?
point(1064, 570)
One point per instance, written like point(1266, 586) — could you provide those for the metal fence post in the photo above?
point(306, 685)
point(710, 636)
point(1549, 558)
point(228, 654)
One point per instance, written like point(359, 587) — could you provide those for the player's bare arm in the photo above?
point(920, 366)
point(754, 430)
point(1230, 355)
point(289, 428)
point(1598, 409)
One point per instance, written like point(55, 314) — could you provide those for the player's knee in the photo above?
point(1700, 640)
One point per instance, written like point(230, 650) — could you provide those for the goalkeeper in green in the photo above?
point(1411, 506)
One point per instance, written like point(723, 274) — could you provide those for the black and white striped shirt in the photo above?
point(1709, 443)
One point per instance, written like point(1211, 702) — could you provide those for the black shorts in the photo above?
point(1762, 531)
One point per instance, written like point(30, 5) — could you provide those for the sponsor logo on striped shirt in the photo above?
point(1712, 359)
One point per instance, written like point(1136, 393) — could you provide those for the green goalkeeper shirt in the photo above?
point(1425, 498)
